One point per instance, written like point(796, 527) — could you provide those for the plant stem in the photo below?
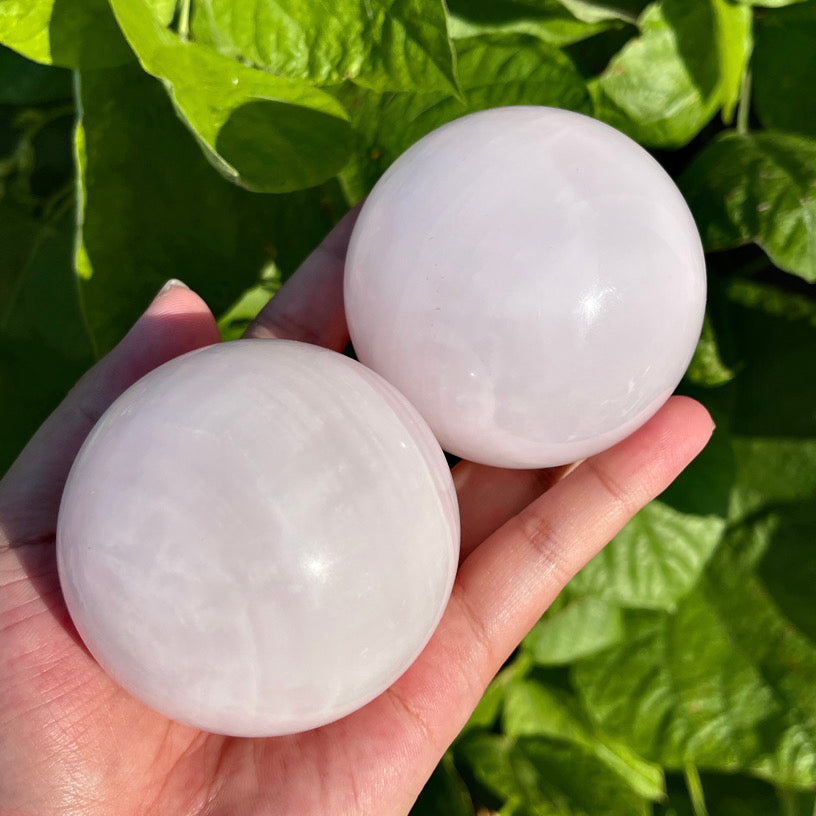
point(59, 201)
point(744, 108)
point(695, 789)
point(787, 799)
point(184, 19)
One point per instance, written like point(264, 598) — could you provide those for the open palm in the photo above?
point(71, 741)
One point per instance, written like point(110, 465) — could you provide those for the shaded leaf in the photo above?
point(775, 335)
point(61, 32)
point(444, 794)
point(154, 209)
point(784, 64)
point(758, 188)
point(772, 471)
point(24, 82)
point(547, 778)
point(736, 795)
point(264, 132)
point(704, 489)
point(787, 568)
point(665, 85)
point(236, 319)
point(43, 345)
point(488, 710)
point(772, 406)
point(386, 45)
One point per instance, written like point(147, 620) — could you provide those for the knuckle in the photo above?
point(543, 542)
point(622, 499)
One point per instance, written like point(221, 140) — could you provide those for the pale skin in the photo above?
point(72, 742)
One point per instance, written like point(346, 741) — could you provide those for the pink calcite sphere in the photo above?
point(532, 280)
point(258, 537)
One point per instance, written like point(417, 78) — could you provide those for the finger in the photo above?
point(507, 583)
point(176, 321)
point(510, 580)
point(309, 306)
point(489, 496)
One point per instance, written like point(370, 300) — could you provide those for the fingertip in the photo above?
point(176, 321)
point(175, 297)
point(686, 425)
point(695, 412)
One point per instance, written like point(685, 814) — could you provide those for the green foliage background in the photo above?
point(218, 140)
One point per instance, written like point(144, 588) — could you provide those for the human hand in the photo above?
point(72, 741)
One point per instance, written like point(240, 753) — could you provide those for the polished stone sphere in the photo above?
point(532, 280)
point(258, 537)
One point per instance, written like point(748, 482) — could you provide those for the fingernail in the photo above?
point(173, 283)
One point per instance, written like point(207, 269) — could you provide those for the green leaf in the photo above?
point(512, 70)
point(784, 64)
point(707, 367)
point(772, 471)
point(534, 709)
point(552, 21)
point(775, 335)
point(665, 85)
point(787, 568)
point(736, 795)
point(677, 691)
point(782, 655)
point(486, 713)
point(493, 70)
point(725, 682)
point(43, 345)
point(44, 307)
point(386, 45)
point(60, 32)
point(770, 3)
point(165, 10)
point(24, 82)
point(263, 132)
point(735, 42)
point(444, 794)
point(592, 12)
point(758, 188)
point(234, 322)
point(154, 209)
point(580, 628)
point(654, 561)
point(546, 778)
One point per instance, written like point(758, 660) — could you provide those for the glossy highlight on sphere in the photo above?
point(258, 537)
point(532, 280)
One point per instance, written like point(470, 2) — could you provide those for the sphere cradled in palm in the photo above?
point(72, 741)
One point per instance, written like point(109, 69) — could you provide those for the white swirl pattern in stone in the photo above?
point(258, 537)
point(532, 280)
